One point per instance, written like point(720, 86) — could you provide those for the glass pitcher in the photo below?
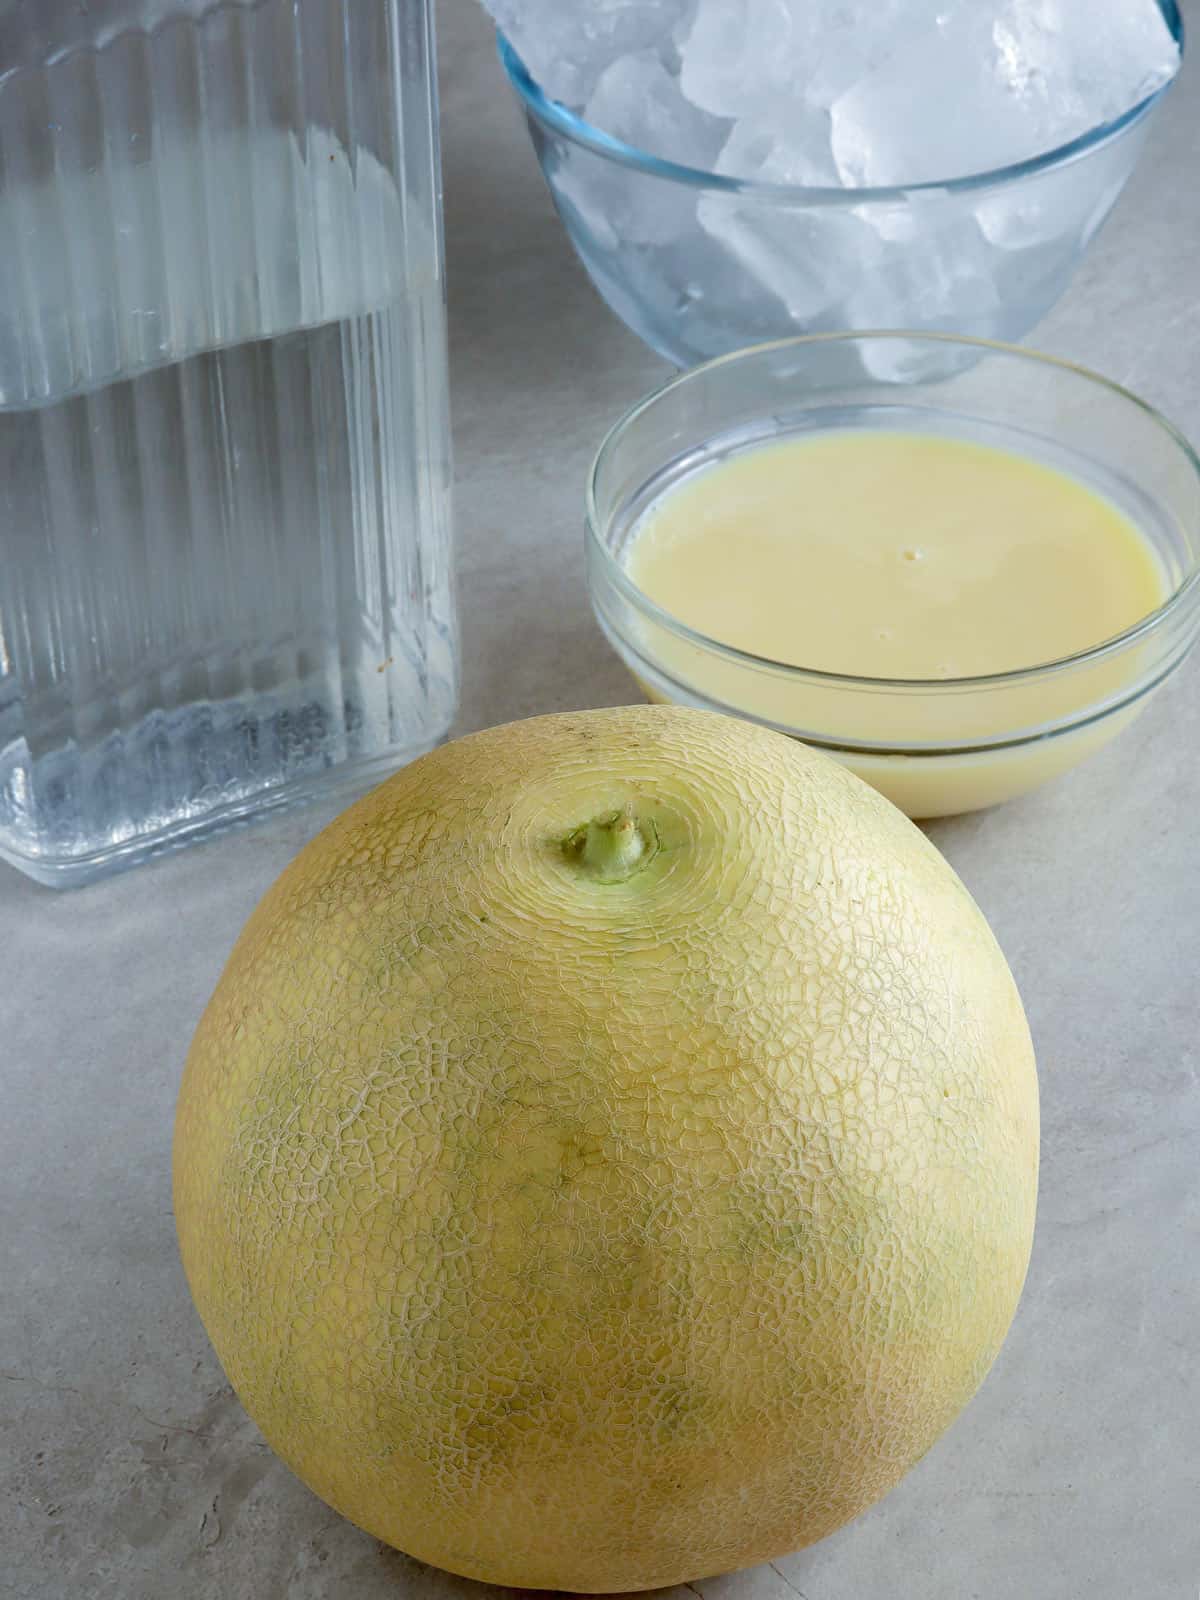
point(225, 574)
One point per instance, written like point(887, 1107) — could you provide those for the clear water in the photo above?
point(224, 564)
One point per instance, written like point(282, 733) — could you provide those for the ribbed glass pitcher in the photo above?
point(225, 575)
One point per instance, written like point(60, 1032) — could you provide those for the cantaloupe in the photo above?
point(610, 1155)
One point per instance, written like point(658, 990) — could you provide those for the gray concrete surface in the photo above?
point(128, 1470)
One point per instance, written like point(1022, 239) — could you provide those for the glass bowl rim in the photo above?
point(1186, 592)
point(553, 114)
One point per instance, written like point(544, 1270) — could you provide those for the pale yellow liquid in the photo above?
point(902, 556)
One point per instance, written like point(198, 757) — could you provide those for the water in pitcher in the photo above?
point(222, 509)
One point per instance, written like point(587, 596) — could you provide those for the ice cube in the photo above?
point(777, 66)
point(987, 86)
point(1071, 199)
point(800, 157)
point(846, 41)
point(737, 54)
point(768, 58)
point(1086, 63)
point(639, 102)
point(805, 255)
point(568, 44)
point(928, 265)
point(688, 297)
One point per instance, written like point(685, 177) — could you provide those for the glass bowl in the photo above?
point(940, 747)
point(698, 264)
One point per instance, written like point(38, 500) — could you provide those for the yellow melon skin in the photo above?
point(593, 1235)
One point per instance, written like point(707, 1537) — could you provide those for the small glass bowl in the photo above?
point(940, 747)
point(699, 264)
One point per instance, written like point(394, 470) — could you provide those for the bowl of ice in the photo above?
point(734, 171)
